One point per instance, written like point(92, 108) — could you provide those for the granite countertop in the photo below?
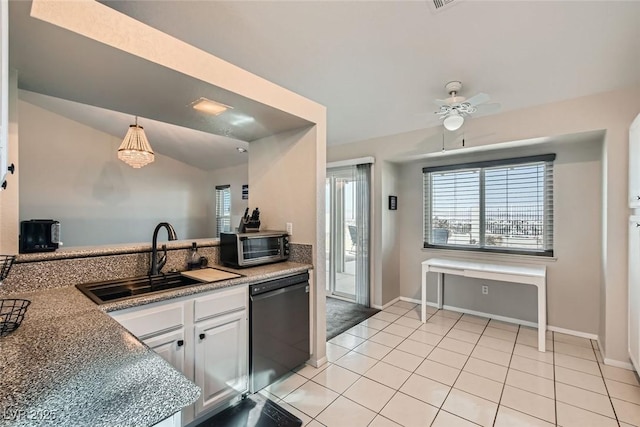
point(71, 364)
point(249, 275)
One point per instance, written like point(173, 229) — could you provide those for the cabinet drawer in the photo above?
point(222, 301)
point(150, 321)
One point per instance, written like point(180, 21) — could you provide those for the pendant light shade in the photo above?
point(135, 149)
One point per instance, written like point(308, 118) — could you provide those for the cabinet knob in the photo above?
point(637, 197)
point(637, 224)
point(202, 336)
point(180, 343)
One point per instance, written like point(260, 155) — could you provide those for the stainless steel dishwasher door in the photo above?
point(279, 317)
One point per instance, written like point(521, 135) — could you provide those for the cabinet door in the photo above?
point(4, 88)
point(221, 360)
point(634, 291)
point(634, 164)
point(170, 346)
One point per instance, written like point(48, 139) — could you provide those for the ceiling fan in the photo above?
point(455, 108)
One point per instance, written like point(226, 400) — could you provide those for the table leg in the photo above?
point(542, 316)
point(424, 295)
point(440, 289)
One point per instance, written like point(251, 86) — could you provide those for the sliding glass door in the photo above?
point(347, 232)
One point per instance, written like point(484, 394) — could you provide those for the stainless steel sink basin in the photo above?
point(121, 289)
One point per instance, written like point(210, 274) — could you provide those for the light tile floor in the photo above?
point(457, 370)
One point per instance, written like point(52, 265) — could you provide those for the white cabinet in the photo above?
point(221, 359)
point(170, 346)
point(4, 88)
point(173, 421)
point(634, 164)
point(634, 291)
point(203, 336)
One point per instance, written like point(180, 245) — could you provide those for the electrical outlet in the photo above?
point(485, 290)
point(290, 228)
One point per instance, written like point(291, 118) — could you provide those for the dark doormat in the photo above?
point(254, 411)
point(343, 315)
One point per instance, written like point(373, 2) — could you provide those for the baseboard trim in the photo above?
point(510, 320)
point(316, 363)
point(574, 333)
point(413, 300)
point(618, 363)
point(489, 315)
point(389, 304)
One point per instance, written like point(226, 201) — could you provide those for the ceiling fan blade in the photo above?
point(441, 102)
point(480, 98)
point(488, 108)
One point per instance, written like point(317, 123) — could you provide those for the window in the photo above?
point(223, 209)
point(497, 206)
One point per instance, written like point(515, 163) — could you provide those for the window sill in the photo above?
point(488, 256)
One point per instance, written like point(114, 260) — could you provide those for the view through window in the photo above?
point(223, 209)
point(501, 206)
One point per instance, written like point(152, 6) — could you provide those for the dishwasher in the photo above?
point(279, 328)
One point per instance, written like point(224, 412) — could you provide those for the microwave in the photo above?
point(39, 235)
point(240, 250)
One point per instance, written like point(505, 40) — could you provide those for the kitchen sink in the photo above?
point(121, 289)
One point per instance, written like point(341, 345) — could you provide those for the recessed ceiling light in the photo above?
point(210, 107)
point(242, 150)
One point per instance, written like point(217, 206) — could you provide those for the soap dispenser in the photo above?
point(194, 259)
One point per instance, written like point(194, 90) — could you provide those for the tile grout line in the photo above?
point(555, 391)
point(605, 385)
point(504, 384)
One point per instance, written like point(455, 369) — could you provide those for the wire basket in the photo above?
point(6, 262)
point(12, 313)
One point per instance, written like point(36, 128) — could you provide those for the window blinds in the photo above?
point(504, 206)
point(223, 209)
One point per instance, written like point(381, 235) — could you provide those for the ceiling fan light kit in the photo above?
point(455, 108)
point(453, 121)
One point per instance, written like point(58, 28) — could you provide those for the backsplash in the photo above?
point(29, 275)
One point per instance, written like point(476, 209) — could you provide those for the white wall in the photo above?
point(70, 172)
point(236, 177)
point(611, 111)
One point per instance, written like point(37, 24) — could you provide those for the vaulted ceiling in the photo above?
point(377, 66)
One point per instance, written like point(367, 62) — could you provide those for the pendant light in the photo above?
point(135, 149)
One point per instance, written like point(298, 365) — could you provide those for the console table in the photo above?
point(533, 275)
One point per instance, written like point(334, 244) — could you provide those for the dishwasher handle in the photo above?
point(280, 291)
point(272, 285)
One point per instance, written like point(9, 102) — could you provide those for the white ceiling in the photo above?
point(377, 66)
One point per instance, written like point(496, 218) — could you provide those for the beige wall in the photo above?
point(70, 172)
point(236, 177)
point(613, 112)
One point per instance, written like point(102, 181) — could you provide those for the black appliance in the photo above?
point(240, 250)
point(39, 235)
point(279, 328)
point(253, 411)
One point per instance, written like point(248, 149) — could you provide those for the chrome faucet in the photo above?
point(156, 265)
